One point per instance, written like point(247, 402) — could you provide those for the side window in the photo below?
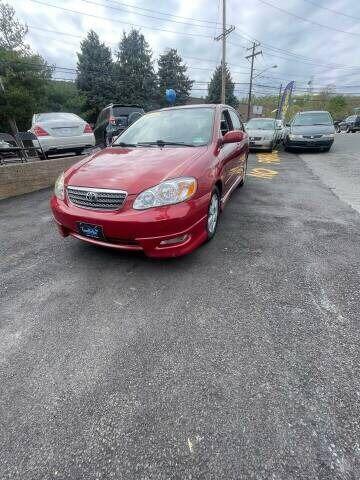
point(99, 119)
point(235, 120)
point(225, 125)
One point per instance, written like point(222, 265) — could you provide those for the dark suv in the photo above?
point(350, 124)
point(113, 119)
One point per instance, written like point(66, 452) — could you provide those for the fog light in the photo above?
point(173, 241)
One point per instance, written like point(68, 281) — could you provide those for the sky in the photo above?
point(307, 40)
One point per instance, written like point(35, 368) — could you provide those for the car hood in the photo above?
point(312, 129)
point(260, 133)
point(133, 169)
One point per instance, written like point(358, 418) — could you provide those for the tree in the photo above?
point(337, 106)
point(172, 74)
point(12, 32)
point(23, 74)
point(137, 82)
point(63, 97)
point(24, 78)
point(95, 77)
point(214, 91)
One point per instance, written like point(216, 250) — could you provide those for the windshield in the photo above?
point(260, 124)
point(44, 117)
point(322, 118)
point(191, 126)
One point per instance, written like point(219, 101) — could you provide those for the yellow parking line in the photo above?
point(272, 157)
point(263, 173)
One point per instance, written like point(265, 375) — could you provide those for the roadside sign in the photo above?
point(257, 109)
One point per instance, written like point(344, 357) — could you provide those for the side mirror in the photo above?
point(234, 136)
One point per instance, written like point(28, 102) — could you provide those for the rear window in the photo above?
point(308, 119)
point(45, 117)
point(125, 111)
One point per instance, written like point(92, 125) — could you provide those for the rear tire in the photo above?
point(213, 214)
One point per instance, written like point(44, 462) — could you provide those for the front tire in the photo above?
point(243, 180)
point(348, 130)
point(213, 214)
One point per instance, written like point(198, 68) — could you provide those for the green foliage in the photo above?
point(134, 71)
point(95, 77)
point(172, 74)
point(214, 95)
point(63, 97)
point(12, 32)
point(24, 77)
point(337, 106)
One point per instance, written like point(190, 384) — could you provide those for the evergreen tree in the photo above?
point(95, 77)
point(214, 92)
point(172, 74)
point(137, 82)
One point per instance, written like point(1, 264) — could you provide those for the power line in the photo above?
point(337, 12)
point(146, 15)
point(163, 13)
point(120, 21)
point(265, 2)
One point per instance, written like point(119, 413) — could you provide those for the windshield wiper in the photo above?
point(162, 143)
point(123, 144)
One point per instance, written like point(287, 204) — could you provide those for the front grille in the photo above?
point(312, 136)
point(96, 198)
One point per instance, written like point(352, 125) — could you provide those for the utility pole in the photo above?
point(252, 56)
point(224, 34)
point(279, 101)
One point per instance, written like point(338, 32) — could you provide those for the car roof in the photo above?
point(122, 105)
point(312, 111)
point(196, 105)
point(264, 118)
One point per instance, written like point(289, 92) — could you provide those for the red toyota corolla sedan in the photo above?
point(161, 185)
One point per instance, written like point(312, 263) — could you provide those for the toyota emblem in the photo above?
point(91, 197)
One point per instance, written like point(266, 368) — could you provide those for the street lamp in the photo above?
point(266, 69)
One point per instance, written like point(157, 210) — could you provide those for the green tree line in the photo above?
point(127, 76)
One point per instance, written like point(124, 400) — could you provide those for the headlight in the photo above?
point(295, 137)
point(166, 193)
point(59, 189)
point(329, 135)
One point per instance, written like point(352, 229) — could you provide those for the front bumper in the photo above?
point(261, 144)
point(309, 143)
point(60, 144)
point(140, 230)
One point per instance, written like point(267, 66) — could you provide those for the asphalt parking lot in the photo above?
point(240, 361)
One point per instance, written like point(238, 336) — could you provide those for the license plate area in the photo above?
point(91, 231)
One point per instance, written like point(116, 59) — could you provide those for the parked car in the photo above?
point(263, 133)
point(60, 132)
point(114, 119)
point(310, 130)
point(161, 185)
point(350, 124)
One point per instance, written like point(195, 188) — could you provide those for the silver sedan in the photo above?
point(62, 132)
point(264, 133)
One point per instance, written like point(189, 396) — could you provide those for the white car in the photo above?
point(62, 132)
